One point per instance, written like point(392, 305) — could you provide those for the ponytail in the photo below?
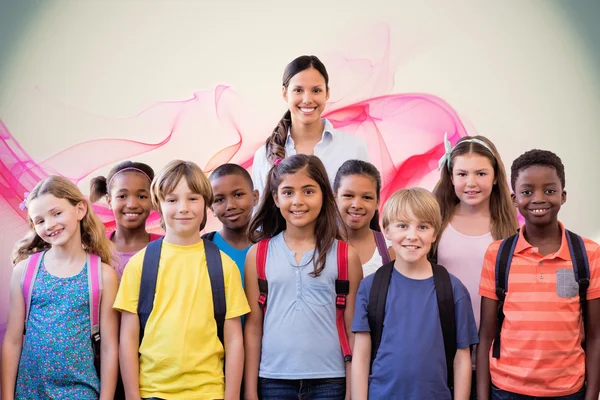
point(275, 144)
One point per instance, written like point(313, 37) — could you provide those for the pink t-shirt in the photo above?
point(125, 256)
point(462, 256)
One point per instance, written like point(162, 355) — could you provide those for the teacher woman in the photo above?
point(302, 130)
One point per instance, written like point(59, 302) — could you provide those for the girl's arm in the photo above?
point(361, 363)
point(462, 374)
point(109, 328)
point(128, 354)
point(592, 352)
point(234, 357)
point(487, 331)
point(355, 275)
point(253, 328)
point(13, 339)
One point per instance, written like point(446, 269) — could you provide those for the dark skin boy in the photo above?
point(538, 188)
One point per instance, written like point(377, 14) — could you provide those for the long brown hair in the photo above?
point(275, 144)
point(93, 237)
point(503, 214)
point(269, 222)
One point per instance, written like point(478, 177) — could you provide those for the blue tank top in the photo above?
point(300, 339)
point(57, 361)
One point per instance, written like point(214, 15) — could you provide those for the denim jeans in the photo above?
point(304, 389)
point(499, 394)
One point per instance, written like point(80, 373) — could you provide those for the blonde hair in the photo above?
point(416, 202)
point(93, 236)
point(502, 211)
point(169, 177)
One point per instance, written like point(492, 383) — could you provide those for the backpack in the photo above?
point(382, 247)
point(94, 272)
point(209, 236)
point(581, 269)
point(445, 301)
point(150, 274)
point(342, 288)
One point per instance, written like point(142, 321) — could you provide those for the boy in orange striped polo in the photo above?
point(540, 354)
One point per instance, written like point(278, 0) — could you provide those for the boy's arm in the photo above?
point(355, 275)
point(253, 328)
point(361, 362)
point(13, 339)
point(128, 354)
point(462, 374)
point(592, 353)
point(487, 331)
point(109, 323)
point(234, 357)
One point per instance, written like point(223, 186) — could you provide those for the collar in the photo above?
point(329, 133)
point(563, 252)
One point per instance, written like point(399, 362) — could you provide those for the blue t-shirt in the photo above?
point(237, 255)
point(411, 362)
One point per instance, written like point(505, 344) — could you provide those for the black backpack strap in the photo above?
point(376, 307)
point(581, 268)
point(503, 261)
point(217, 283)
point(445, 301)
point(209, 236)
point(148, 283)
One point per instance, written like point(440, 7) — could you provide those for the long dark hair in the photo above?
point(503, 214)
point(269, 222)
point(275, 144)
point(359, 167)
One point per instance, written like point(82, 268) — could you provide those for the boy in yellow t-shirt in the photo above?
point(181, 355)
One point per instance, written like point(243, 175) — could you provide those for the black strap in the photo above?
point(209, 236)
point(503, 261)
point(150, 275)
point(582, 273)
point(217, 283)
point(376, 308)
point(445, 300)
point(148, 283)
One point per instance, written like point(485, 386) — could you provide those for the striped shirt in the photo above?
point(541, 353)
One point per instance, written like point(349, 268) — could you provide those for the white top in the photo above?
point(373, 264)
point(334, 148)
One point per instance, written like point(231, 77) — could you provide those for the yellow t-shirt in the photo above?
point(181, 355)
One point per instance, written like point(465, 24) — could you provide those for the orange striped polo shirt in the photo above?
point(540, 353)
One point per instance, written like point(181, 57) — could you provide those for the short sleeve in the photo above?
point(593, 252)
point(129, 289)
point(487, 284)
point(361, 321)
point(466, 328)
point(235, 298)
point(260, 169)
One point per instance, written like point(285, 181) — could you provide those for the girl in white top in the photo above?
point(357, 188)
point(476, 208)
point(302, 130)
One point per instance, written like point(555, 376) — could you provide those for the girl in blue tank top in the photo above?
point(293, 348)
point(55, 359)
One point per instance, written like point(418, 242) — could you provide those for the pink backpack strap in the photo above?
point(94, 270)
point(382, 247)
point(28, 279)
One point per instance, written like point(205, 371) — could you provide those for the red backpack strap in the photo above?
point(342, 288)
point(261, 263)
point(27, 281)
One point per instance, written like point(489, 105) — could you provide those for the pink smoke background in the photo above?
point(404, 133)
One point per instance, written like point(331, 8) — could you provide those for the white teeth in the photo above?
point(54, 233)
point(355, 215)
point(411, 247)
point(307, 110)
point(298, 212)
point(131, 214)
point(539, 210)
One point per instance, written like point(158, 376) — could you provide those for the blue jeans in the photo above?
point(499, 394)
point(304, 389)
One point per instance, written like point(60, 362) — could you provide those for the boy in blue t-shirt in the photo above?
point(410, 362)
point(234, 201)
